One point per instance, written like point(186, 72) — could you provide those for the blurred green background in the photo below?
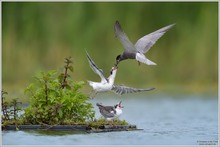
point(36, 36)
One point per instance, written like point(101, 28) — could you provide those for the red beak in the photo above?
point(120, 105)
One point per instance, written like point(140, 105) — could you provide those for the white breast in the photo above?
point(118, 112)
point(101, 87)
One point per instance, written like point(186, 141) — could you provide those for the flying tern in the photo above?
point(141, 47)
point(107, 84)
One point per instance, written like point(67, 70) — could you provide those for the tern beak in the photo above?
point(120, 104)
point(117, 61)
point(115, 67)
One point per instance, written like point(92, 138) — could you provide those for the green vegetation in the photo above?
point(57, 99)
point(36, 36)
point(11, 109)
point(102, 121)
point(54, 100)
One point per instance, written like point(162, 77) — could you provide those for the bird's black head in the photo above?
point(118, 105)
point(118, 59)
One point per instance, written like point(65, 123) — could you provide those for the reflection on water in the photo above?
point(190, 120)
point(52, 132)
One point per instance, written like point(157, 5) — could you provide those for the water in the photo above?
point(185, 120)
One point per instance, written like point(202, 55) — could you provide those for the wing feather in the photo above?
point(106, 111)
point(120, 89)
point(123, 38)
point(95, 68)
point(147, 41)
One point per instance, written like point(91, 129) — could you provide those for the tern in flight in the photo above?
point(107, 84)
point(143, 45)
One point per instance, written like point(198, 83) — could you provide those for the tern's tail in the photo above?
point(99, 105)
point(90, 82)
point(141, 58)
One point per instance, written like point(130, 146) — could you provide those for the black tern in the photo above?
point(110, 112)
point(143, 45)
point(107, 84)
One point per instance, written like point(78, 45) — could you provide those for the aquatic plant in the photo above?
point(10, 109)
point(55, 99)
point(5, 107)
point(15, 108)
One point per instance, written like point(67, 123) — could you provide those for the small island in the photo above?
point(56, 103)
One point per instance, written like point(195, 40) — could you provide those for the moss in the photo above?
point(101, 122)
point(12, 122)
point(93, 124)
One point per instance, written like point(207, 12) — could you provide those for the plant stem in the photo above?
point(64, 82)
point(46, 92)
point(65, 76)
point(14, 111)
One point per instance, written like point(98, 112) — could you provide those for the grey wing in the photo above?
point(119, 89)
point(108, 112)
point(123, 38)
point(146, 42)
point(95, 68)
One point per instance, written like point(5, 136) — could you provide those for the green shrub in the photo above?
point(55, 99)
point(10, 109)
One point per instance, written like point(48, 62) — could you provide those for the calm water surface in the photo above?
point(167, 120)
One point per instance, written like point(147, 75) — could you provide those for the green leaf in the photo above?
point(60, 113)
point(60, 77)
point(68, 87)
point(62, 101)
point(56, 119)
point(70, 68)
point(52, 72)
point(38, 116)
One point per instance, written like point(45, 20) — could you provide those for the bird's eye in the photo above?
point(111, 72)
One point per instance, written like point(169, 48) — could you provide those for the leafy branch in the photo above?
point(10, 110)
point(63, 76)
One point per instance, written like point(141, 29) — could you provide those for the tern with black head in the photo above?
point(141, 47)
point(110, 112)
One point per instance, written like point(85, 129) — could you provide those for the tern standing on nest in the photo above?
point(110, 112)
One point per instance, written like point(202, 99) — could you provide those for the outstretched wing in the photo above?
point(123, 38)
point(146, 42)
point(95, 68)
point(119, 89)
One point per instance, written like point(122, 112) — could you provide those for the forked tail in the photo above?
point(99, 105)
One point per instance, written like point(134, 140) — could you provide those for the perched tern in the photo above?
point(110, 112)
